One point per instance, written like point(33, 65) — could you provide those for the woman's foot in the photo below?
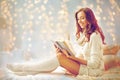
point(15, 67)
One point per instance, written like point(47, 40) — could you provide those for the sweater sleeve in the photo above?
point(95, 51)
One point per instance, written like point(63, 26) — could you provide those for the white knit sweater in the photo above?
point(92, 51)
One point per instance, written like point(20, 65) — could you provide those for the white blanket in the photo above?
point(59, 74)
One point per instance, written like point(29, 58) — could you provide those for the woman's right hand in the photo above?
point(63, 51)
point(57, 49)
point(78, 36)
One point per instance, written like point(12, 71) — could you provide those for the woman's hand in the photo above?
point(65, 52)
point(57, 49)
point(78, 36)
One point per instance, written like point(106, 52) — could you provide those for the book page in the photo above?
point(63, 45)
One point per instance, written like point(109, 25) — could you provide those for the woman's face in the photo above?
point(82, 21)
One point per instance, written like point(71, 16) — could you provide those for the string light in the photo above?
point(28, 18)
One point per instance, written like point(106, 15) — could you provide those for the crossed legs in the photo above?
point(47, 66)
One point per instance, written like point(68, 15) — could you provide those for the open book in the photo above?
point(64, 45)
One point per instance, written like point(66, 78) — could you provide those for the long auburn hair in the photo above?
point(93, 24)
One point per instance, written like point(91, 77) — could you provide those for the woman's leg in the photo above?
point(43, 66)
point(48, 65)
point(68, 64)
point(110, 49)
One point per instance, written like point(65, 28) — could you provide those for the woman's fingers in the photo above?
point(61, 50)
point(55, 46)
point(58, 50)
point(65, 52)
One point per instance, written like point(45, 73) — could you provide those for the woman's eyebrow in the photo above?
point(80, 17)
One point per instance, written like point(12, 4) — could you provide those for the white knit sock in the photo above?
point(44, 66)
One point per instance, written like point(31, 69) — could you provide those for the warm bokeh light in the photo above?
point(30, 25)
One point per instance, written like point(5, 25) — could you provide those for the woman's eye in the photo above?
point(82, 18)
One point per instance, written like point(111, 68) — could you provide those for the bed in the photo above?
point(58, 74)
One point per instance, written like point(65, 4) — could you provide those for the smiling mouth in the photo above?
point(81, 24)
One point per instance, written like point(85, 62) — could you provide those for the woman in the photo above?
point(90, 37)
